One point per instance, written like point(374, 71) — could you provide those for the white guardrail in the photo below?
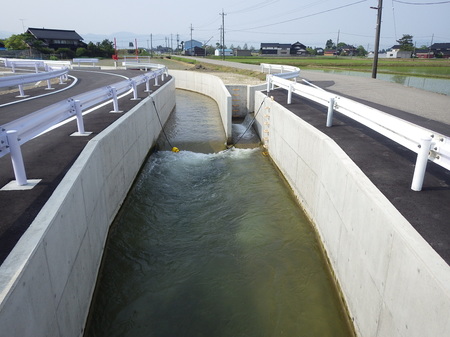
point(49, 72)
point(427, 144)
point(19, 131)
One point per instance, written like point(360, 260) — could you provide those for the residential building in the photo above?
point(242, 52)
point(278, 49)
point(57, 38)
point(424, 53)
point(226, 52)
point(396, 53)
point(298, 49)
point(441, 50)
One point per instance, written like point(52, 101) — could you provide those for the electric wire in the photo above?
point(395, 24)
point(422, 3)
point(162, 126)
point(298, 18)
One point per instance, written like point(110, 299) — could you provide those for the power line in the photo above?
point(422, 3)
point(301, 17)
point(254, 7)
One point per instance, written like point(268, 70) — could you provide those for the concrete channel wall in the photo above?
point(47, 281)
point(394, 283)
point(208, 85)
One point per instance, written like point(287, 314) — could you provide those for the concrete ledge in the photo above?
point(393, 281)
point(47, 281)
point(211, 86)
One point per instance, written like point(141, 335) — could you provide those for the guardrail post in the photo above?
point(289, 99)
point(268, 82)
point(330, 112)
point(49, 86)
point(156, 80)
point(135, 96)
point(115, 100)
point(16, 157)
point(421, 164)
point(22, 93)
point(147, 84)
point(79, 113)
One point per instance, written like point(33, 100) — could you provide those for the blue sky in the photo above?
point(250, 22)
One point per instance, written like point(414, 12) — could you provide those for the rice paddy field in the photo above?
point(434, 68)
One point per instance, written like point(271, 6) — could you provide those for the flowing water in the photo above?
point(212, 244)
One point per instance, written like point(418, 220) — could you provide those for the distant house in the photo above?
point(242, 52)
point(298, 49)
point(424, 53)
point(189, 47)
point(347, 50)
point(275, 49)
point(441, 50)
point(319, 51)
point(57, 38)
point(226, 52)
point(330, 52)
point(396, 53)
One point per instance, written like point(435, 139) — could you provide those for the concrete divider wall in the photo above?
point(47, 281)
point(394, 283)
point(211, 86)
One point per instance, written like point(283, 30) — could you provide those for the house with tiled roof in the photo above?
point(441, 50)
point(57, 38)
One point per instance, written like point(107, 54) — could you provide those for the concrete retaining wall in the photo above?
point(47, 281)
point(394, 283)
point(211, 86)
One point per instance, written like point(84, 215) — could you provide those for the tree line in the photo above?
point(27, 41)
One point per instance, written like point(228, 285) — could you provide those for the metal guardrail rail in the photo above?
point(49, 72)
point(427, 144)
point(19, 131)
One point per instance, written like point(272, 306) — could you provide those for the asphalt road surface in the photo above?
point(51, 155)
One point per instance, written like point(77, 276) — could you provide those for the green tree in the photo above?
point(330, 44)
point(361, 51)
point(311, 51)
point(406, 42)
point(107, 48)
point(80, 52)
point(66, 53)
point(19, 41)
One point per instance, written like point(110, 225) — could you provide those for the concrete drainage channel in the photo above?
point(390, 277)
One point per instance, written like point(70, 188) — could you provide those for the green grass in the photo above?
point(435, 68)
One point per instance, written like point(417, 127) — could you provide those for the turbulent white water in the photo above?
point(213, 245)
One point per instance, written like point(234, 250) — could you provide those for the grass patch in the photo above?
point(434, 68)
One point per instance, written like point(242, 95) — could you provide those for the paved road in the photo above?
point(388, 165)
point(50, 156)
point(374, 92)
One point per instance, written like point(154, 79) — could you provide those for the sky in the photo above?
point(250, 22)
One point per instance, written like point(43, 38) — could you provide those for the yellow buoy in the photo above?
point(175, 149)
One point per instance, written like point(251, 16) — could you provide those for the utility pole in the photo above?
point(223, 34)
point(191, 40)
point(151, 45)
point(377, 39)
point(23, 26)
point(429, 48)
